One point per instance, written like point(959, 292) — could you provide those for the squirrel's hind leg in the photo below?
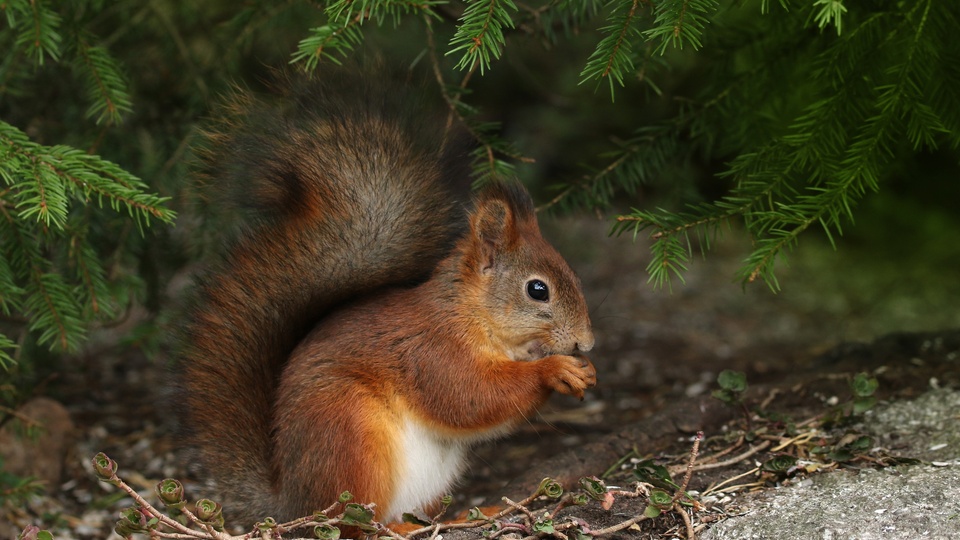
point(342, 440)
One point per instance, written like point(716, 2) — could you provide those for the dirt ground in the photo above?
point(658, 354)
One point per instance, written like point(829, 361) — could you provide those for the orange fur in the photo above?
point(425, 337)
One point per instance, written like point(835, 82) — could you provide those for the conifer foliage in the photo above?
point(792, 110)
point(808, 103)
point(53, 274)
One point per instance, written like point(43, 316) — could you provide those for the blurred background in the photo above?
point(809, 145)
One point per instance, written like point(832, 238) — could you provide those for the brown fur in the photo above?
point(351, 212)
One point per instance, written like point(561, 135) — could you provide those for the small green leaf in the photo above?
point(593, 487)
point(550, 487)
point(474, 514)
point(651, 511)
point(864, 385)
point(105, 467)
point(357, 514)
point(170, 492)
point(326, 532)
point(651, 473)
point(661, 499)
point(725, 396)
point(863, 404)
point(544, 526)
point(779, 464)
point(864, 442)
point(841, 455)
point(407, 517)
point(733, 381)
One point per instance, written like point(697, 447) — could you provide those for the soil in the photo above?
point(658, 354)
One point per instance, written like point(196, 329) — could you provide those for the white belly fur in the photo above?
point(429, 466)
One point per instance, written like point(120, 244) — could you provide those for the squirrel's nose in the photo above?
point(585, 341)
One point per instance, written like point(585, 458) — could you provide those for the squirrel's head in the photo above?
point(527, 293)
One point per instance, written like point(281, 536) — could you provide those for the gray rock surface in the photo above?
point(904, 502)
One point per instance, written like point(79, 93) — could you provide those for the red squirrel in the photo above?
point(367, 323)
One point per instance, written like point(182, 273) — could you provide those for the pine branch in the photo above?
point(486, 165)
point(331, 41)
point(40, 238)
point(613, 57)
point(680, 21)
point(54, 173)
point(831, 12)
point(558, 18)
point(341, 11)
point(6, 345)
point(859, 171)
point(37, 29)
point(479, 35)
point(104, 82)
point(48, 301)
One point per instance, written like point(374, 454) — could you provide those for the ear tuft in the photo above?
point(492, 225)
point(492, 221)
point(500, 213)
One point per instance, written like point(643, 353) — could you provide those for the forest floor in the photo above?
point(658, 355)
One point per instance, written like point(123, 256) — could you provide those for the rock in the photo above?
point(41, 457)
point(919, 501)
point(902, 502)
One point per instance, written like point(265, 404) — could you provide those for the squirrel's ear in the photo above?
point(494, 228)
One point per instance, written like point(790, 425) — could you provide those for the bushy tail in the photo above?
point(342, 191)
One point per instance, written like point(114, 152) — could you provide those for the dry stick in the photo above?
point(686, 520)
point(300, 522)
point(803, 437)
point(474, 524)
point(564, 502)
point(714, 457)
point(734, 460)
point(520, 507)
point(683, 486)
point(168, 521)
point(384, 528)
point(713, 488)
point(209, 528)
point(686, 477)
point(740, 487)
point(619, 526)
point(769, 399)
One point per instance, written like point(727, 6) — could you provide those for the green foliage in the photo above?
point(480, 34)
point(680, 21)
point(806, 124)
point(613, 57)
point(863, 387)
point(51, 273)
point(773, 117)
point(32, 532)
point(15, 490)
point(659, 501)
point(54, 275)
point(871, 89)
point(732, 386)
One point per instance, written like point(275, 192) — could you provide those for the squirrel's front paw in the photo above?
point(570, 374)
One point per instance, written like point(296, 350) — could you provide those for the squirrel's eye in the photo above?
point(538, 290)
